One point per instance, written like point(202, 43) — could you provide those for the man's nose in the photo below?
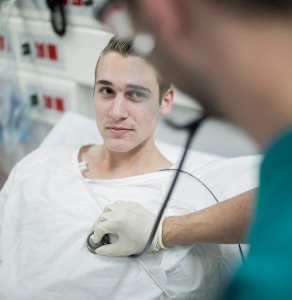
point(118, 109)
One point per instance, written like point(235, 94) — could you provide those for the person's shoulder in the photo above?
point(46, 154)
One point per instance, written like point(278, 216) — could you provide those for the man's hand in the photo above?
point(132, 224)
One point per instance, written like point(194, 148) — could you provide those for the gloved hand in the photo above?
point(132, 223)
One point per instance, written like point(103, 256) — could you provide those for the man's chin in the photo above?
point(118, 148)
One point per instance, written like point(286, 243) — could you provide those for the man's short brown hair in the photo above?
point(125, 48)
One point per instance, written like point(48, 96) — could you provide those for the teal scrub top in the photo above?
point(267, 271)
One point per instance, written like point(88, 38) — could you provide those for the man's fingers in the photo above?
point(109, 250)
point(115, 207)
point(100, 229)
point(105, 216)
point(98, 234)
point(128, 205)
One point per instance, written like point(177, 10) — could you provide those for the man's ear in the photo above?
point(166, 102)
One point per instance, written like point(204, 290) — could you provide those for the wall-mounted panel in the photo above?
point(78, 12)
point(48, 97)
point(72, 57)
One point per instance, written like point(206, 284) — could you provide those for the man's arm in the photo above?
point(132, 223)
point(223, 223)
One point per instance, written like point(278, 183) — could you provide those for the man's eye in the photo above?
point(137, 94)
point(106, 91)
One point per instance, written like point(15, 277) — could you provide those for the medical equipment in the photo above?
point(213, 195)
point(192, 128)
point(92, 246)
point(58, 16)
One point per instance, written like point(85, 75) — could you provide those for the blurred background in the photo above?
point(48, 52)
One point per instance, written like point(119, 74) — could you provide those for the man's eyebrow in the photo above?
point(131, 86)
point(104, 82)
point(139, 87)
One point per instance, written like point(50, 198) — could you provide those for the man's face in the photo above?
point(126, 101)
point(187, 59)
point(202, 49)
point(231, 61)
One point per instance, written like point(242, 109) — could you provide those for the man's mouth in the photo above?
point(118, 130)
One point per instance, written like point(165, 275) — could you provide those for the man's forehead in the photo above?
point(115, 55)
point(116, 65)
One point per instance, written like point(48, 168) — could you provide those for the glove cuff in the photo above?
point(157, 243)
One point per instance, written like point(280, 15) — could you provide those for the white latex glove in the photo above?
point(132, 223)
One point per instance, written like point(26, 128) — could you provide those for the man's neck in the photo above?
point(105, 164)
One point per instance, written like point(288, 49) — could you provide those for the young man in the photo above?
point(234, 57)
point(53, 197)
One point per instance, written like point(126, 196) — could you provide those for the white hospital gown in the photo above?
point(46, 211)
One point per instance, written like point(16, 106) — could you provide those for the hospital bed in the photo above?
point(69, 271)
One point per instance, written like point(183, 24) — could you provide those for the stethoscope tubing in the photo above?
point(192, 129)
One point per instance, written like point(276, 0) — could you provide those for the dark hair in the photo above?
point(125, 48)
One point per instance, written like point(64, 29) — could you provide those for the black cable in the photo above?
point(209, 190)
point(58, 16)
point(192, 128)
